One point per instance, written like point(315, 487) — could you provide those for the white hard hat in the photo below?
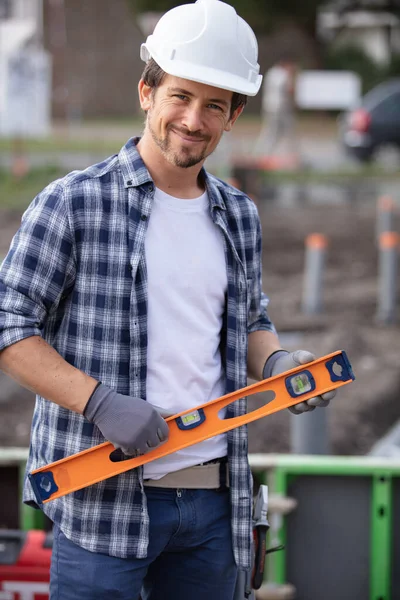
point(206, 42)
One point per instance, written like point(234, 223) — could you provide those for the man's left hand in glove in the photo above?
point(281, 361)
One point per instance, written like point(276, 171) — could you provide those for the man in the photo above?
point(131, 290)
point(278, 118)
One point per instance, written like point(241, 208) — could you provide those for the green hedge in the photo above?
point(353, 58)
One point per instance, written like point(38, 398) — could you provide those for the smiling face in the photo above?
point(186, 120)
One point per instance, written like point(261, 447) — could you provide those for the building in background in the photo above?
point(95, 49)
point(25, 70)
point(369, 25)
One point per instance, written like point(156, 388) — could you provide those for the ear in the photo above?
point(145, 92)
point(233, 118)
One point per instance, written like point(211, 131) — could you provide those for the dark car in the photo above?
point(374, 124)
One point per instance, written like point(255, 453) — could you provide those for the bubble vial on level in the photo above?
point(300, 383)
point(191, 418)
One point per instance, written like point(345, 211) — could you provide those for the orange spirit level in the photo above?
point(193, 426)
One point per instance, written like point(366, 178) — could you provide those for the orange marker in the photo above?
point(389, 239)
point(193, 426)
point(316, 240)
point(384, 216)
point(316, 244)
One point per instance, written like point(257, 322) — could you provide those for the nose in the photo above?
point(192, 118)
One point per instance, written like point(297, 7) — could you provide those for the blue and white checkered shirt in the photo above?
point(75, 274)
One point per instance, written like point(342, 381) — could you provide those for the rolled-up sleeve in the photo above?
point(258, 318)
point(38, 268)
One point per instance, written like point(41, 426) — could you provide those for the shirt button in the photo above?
point(129, 182)
point(144, 217)
point(151, 188)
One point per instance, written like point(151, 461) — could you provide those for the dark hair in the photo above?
point(153, 75)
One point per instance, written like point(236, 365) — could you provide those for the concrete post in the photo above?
point(384, 216)
point(316, 244)
point(309, 432)
point(387, 289)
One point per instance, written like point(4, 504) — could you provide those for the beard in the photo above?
point(185, 157)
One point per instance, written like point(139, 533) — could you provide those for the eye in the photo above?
point(180, 96)
point(216, 107)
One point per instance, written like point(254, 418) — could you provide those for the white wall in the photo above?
point(23, 26)
point(327, 90)
point(27, 98)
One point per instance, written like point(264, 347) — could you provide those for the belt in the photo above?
point(211, 475)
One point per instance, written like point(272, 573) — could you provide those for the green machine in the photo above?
point(342, 536)
point(13, 513)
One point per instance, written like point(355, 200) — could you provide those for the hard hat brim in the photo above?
point(208, 76)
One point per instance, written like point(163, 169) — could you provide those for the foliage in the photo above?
point(16, 194)
point(263, 16)
point(393, 69)
point(353, 58)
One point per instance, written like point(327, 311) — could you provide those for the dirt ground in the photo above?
point(363, 411)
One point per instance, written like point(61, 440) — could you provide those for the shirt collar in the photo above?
point(213, 189)
point(135, 173)
point(133, 169)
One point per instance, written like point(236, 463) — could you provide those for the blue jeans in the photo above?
point(189, 556)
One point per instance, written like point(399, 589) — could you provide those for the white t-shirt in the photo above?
point(187, 284)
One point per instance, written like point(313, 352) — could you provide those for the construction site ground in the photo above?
point(363, 411)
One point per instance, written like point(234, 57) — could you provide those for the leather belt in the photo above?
point(212, 475)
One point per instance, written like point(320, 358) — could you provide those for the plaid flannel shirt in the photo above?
point(75, 274)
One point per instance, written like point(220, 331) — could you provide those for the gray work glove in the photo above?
point(282, 361)
point(131, 424)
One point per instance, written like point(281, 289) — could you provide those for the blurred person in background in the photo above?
point(132, 291)
point(278, 134)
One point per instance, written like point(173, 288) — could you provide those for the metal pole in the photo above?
point(387, 290)
point(316, 244)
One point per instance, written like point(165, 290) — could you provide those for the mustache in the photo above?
point(192, 134)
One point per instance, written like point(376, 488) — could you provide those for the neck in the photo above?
point(175, 181)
